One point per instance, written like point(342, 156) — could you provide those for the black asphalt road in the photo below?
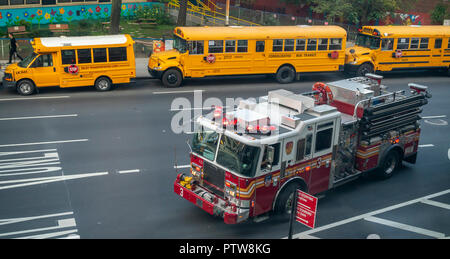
point(103, 167)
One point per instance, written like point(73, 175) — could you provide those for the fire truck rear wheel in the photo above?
point(285, 75)
point(285, 200)
point(172, 78)
point(390, 163)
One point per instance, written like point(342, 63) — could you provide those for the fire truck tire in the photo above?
point(390, 163)
point(172, 78)
point(285, 201)
point(285, 74)
point(364, 69)
point(26, 87)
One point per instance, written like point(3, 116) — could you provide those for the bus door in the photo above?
point(195, 62)
point(436, 52)
point(44, 70)
point(259, 58)
point(324, 137)
point(386, 56)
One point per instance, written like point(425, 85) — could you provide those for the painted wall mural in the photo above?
point(64, 14)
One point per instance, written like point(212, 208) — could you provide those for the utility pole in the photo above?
point(227, 13)
point(115, 16)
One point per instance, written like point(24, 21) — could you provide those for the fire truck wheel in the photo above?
point(390, 163)
point(285, 75)
point(172, 78)
point(25, 87)
point(283, 205)
point(364, 69)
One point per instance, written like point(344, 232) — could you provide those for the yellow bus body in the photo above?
point(387, 48)
point(244, 50)
point(75, 62)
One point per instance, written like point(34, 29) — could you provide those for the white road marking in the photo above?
point(45, 143)
point(33, 98)
point(129, 171)
point(41, 180)
point(426, 145)
point(197, 108)
point(39, 117)
point(448, 154)
point(437, 204)
point(434, 117)
point(181, 166)
point(55, 234)
point(177, 92)
point(16, 220)
point(366, 215)
point(406, 227)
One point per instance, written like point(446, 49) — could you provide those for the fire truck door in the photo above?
point(323, 140)
point(268, 181)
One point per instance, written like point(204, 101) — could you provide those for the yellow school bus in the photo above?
point(283, 51)
point(387, 48)
point(99, 61)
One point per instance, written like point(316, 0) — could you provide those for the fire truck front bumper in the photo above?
point(211, 203)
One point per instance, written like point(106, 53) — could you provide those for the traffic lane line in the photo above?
point(129, 171)
point(33, 98)
point(406, 227)
point(39, 117)
point(366, 215)
point(178, 92)
point(44, 143)
point(426, 145)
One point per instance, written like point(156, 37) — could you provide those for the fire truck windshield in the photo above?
point(237, 157)
point(204, 143)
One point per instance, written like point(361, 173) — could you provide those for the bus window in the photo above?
point(448, 45)
point(312, 45)
point(387, 44)
point(68, 57)
point(242, 46)
point(335, 44)
point(230, 46)
point(424, 43)
point(260, 46)
point(215, 46)
point(99, 55)
point(414, 43)
point(289, 45)
point(84, 56)
point(117, 54)
point(196, 47)
point(403, 43)
point(301, 44)
point(438, 43)
point(323, 44)
point(43, 61)
point(277, 45)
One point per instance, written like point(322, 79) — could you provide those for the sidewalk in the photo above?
point(141, 68)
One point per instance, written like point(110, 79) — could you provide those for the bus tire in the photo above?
point(285, 75)
point(103, 84)
point(26, 87)
point(363, 69)
point(285, 200)
point(390, 163)
point(172, 78)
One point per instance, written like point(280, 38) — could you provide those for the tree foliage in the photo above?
point(440, 12)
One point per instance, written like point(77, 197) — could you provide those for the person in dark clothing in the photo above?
point(12, 47)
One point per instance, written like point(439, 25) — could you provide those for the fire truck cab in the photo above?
point(249, 161)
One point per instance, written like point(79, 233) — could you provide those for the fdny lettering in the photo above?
point(196, 249)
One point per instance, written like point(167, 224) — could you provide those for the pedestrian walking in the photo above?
point(12, 48)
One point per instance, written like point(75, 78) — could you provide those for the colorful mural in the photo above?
point(64, 14)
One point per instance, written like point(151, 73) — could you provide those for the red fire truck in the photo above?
point(249, 161)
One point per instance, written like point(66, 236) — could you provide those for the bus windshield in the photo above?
point(238, 157)
point(27, 60)
point(204, 143)
point(180, 44)
point(368, 41)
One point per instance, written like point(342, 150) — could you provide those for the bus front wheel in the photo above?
point(364, 69)
point(172, 78)
point(285, 75)
point(25, 87)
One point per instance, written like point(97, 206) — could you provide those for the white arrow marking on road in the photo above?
point(41, 180)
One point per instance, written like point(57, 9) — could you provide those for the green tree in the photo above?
point(440, 12)
point(332, 9)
